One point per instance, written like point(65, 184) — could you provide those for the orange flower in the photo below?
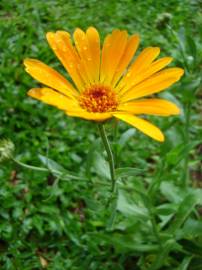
point(105, 82)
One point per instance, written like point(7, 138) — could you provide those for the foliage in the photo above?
point(51, 217)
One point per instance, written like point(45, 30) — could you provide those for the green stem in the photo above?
point(107, 146)
point(34, 168)
point(186, 161)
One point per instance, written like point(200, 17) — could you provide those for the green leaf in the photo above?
point(191, 229)
point(165, 209)
point(90, 157)
point(183, 211)
point(127, 171)
point(196, 264)
point(198, 194)
point(185, 263)
point(128, 242)
point(172, 192)
point(57, 170)
point(163, 254)
point(51, 164)
point(192, 46)
point(101, 166)
point(125, 137)
point(128, 208)
point(190, 85)
point(178, 153)
point(193, 247)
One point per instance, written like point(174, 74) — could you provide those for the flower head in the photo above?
point(106, 83)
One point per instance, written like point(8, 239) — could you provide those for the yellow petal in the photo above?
point(105, 52)
point(150, 106)
point(51, 97)
point(113, 50)
point(60, 42)
point(153, 68)
point(141, 124)
point(129, 52)
point(142, 62)
point(94, 47)
point(49, 77)
point(84, 52)
point(144, 59)
point(153, 84)
point(115, 54)
point(98, 117)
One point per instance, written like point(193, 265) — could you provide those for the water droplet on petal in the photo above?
point(54, 48)
point(128, 74)
point(64, 49)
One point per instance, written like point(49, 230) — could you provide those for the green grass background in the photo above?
point(63, 223)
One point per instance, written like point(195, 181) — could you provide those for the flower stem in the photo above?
point(185, 176)
point(107, 146)
point(34, 168)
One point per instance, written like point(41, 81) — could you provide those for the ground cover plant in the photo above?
point(57, 211)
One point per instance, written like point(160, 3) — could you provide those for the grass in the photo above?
point(57, 222)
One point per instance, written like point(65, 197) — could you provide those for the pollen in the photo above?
point(98, 98)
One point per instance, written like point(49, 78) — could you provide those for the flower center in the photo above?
point(98, 98)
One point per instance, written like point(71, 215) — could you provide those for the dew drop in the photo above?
point(64, 49)
point(54, 48)
point(58, 40)
point(128, 74)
